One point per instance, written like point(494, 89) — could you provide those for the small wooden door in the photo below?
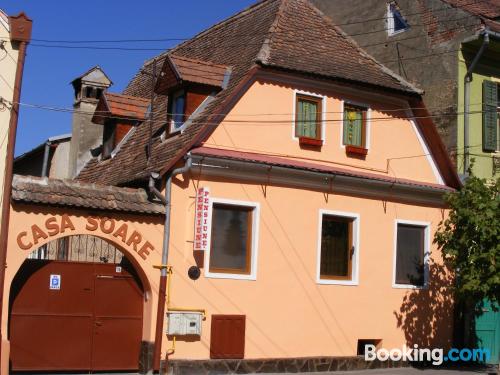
point(227, 337)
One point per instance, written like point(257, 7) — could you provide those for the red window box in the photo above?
point(310, 141)
point(356, 150)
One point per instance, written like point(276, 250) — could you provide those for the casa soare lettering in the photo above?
point(27, 239)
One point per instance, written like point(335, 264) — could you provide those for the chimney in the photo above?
point(86, 135)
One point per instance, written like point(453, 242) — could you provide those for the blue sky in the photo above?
point(49, 71)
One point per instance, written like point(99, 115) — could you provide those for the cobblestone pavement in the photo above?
point(409, 371)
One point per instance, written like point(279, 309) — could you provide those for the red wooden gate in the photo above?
point(92, 322)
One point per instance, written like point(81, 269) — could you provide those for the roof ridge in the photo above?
point(265, 50)
point(385, 69)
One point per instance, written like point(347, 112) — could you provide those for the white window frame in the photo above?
point(368, 121)
point(427, 253)
point(255, 240)
point(323, 112)
point(390, 21)
point(355, 243)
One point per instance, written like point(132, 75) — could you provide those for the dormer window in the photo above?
point(119, 114)
point(189, 84)
point(395, 21)
point(108, 140)
point(177, 110)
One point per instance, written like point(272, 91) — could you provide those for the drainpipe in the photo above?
point(20, 32)
point(467, 81)
point(45, 164)
point(166, 200)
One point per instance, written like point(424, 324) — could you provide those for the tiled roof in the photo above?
point(303, 39)
point(234, 42)
point(178, 69)
point(284, 34)
point(485, 8)
point(314, 167)
point(29, 189)
point(122, 106)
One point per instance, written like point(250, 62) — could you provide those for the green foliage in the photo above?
point(469, 239)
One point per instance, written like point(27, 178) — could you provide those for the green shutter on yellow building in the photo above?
point(490, 115)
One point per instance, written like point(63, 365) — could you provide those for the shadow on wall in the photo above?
point(426, 316)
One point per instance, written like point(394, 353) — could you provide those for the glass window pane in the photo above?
point(353, 126)
point(410, 255)
point(399, 22)
point(231, 239)
point(335, 247)
point(307, 115)
point(178, 110)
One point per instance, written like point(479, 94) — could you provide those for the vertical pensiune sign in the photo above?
point(201, 219)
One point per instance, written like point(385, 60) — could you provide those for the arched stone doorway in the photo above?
point(79, 292)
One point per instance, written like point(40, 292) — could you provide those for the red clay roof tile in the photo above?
point(122, 106)
point(177, 69)
point(29, 189)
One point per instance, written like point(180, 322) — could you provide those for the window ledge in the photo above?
point(355, 150)
point(306, 141)
point(337, 282)
point(232, 276)
point(410, 286)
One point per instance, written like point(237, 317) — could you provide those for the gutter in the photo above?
point(327, 182)
point(164, 267)
point(467, 80)
point(20, 33)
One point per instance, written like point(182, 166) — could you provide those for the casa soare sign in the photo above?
point(26, 240)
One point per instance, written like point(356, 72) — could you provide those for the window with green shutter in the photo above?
point(354, 126)
point(308, 117)
point(490, 116)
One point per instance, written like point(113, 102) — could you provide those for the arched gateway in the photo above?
point(80, 277)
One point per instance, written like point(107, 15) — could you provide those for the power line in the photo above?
point(104, 113)
point(233, 35)
point(115, 48)
point(169, 39)
point(255, 122)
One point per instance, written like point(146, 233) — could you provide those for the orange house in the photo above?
point(303, 184)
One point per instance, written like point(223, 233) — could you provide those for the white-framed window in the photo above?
point(233, 239)
point(338, 248)
point(355, 124)
point(411, 254)
point(308, 115)
point(395, 21)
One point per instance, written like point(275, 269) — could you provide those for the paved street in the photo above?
point(407, 371)
point(399, 371)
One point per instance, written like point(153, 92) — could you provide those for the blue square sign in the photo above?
point(55, 282)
